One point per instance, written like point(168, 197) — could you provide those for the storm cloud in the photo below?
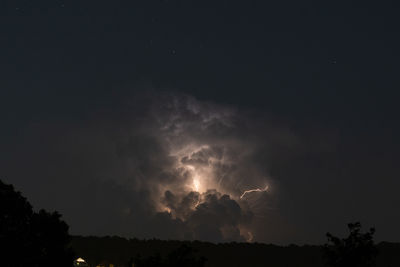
point(162, 165)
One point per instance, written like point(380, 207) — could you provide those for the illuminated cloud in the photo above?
point(163, 165)
point(209, 168)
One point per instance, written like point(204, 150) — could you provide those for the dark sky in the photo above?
point(96, 96)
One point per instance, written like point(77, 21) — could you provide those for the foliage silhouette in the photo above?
point(184, 256)
point(356, 250)
point(29, 238)
point(121, 252)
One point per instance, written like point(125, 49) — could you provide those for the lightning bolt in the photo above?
point(254, 190)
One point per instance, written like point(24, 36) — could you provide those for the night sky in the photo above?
point(152, 118)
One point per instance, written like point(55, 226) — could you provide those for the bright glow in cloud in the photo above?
point(196, 185)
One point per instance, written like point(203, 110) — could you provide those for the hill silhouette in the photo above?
point(119, 251)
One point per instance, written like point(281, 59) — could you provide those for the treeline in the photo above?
point(29, 238)
point(121, 251)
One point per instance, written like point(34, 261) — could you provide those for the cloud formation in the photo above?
point(163, 165)
point(198, 166)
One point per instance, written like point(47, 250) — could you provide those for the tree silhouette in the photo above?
point(29, 238)
point(184, 256)
point(356, 250)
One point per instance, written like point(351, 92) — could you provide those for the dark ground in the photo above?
point(118, 251)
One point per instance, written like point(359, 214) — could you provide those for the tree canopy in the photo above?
point(356, 250)
point(184, 256)
point(29, 238)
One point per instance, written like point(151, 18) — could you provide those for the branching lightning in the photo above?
point(254, 190)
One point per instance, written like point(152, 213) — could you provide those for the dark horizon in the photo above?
point(212, 120)
point(95, 250)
